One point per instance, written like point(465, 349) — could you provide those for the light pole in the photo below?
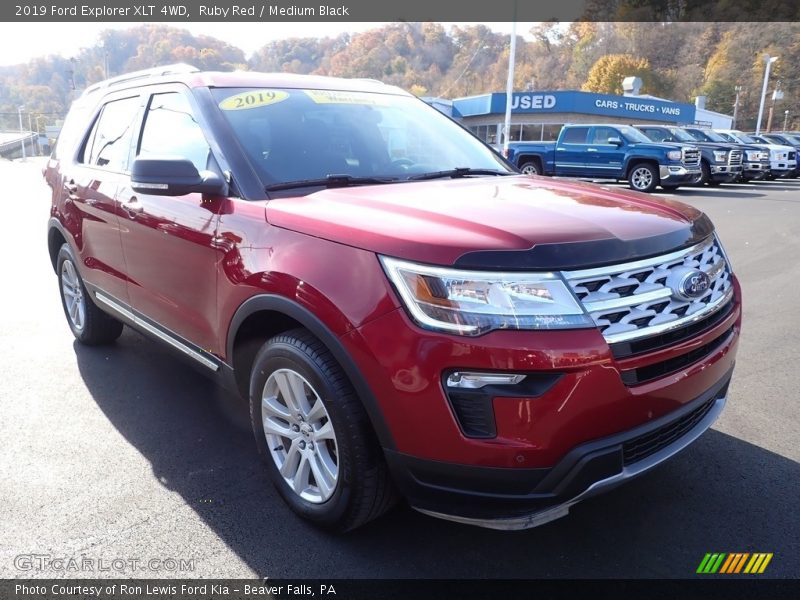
point(769, 60)
point(22, 135)
point(738, 89)
point(786, 120)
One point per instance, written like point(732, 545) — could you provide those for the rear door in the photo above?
point(91, 183)
point(571, 152)
point(602, 158)
point(169, 241)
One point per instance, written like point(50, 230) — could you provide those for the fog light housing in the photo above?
point(472, 381)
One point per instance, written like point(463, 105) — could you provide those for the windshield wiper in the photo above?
point(330, 181)
point(456, 173)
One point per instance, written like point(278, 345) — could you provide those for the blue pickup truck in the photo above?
point(610, 152)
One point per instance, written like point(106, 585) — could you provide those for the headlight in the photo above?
point(764, 155)
point(474, 302)
point(720, 155)
point(752, 155)
point(674, 155)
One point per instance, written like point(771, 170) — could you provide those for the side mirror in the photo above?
point(615, 141)
point(170, 176)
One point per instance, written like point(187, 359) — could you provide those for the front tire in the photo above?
point(89, 324)
point(643, 177)
point(314, 435)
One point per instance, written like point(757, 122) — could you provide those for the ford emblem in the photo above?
point(693, 284)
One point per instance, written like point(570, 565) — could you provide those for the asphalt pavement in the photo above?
point(126, 454)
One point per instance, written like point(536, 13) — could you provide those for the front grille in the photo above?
point(735, 158)
point(633, 300)
point(671, 365)
point(690, 156)
point(649, 443)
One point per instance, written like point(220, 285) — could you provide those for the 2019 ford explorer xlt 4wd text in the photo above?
point(406, 315)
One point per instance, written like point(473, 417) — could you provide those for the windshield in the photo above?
point(633, 136)
point(681, 135)
point(744, 138)
point(711, 135)
point(293, 135)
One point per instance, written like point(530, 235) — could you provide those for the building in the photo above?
point(540, 115)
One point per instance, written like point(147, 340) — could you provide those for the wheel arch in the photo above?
point(633, 161)
point(55, 239)
point(534, 158)
point(260, 317)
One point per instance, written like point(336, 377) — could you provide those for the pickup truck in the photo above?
point(609, 152)
point(781, 139)
point(782, 159)
point(755, 164)
point(719, 162)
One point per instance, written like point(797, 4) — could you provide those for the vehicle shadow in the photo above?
point(721, 495)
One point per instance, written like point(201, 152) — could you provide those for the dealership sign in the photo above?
point(622, 107)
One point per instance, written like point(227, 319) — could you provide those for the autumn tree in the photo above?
point(607, 73)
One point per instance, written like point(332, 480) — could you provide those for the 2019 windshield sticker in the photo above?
point(338, 97)
point(253, 99)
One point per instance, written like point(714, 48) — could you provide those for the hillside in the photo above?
point(676, 60)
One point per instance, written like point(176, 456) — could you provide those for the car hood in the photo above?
point(666, 146)
point(512, 222)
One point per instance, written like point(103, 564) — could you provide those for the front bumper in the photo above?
point(461, 494)
point(675, 174)
point(725, 173)
point(756, 170)
point(783, 168)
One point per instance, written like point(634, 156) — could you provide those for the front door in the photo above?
point(169, 241)
point(604, 159)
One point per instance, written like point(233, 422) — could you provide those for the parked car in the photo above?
point(782, 159)
point(404, 313)
point(610, 152)
point(778, 138)
point(755, 159)
point(719, 163)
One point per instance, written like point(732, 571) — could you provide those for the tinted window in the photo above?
point(109, 142)
point(657, 135)
point(603, 134)
point(575, 135)
point(171, 129)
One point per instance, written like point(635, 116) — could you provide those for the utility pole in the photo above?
point(777, 94)
point(22, 135)
point(769, 60)
point(738, 89)
point(786, 120)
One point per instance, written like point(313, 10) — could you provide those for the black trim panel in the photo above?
point(280, 304)
point(489, 492)
point(587, 255)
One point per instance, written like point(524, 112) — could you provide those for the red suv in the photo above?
point(406, 314)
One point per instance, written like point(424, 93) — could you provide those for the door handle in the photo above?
point(561, 149)
point(132, 206)
point(591, 149)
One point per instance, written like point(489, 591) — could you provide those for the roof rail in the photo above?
point(154, 72)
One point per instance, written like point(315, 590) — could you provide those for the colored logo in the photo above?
point(688, 283)
point(735, 562)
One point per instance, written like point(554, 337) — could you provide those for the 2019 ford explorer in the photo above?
point(406, 314)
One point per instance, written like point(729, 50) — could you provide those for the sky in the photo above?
point(20, 42)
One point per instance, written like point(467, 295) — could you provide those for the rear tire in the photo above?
point(314, 435)
point(530, 168)
point(643, 177)
point(89, 324)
